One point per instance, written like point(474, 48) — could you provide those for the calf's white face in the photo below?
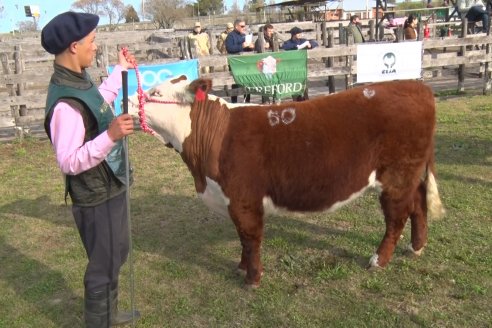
point(170, 121)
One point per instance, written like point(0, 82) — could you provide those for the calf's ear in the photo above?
point(178, 79)
point(200, 88)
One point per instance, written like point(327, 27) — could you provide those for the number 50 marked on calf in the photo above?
point(286, 116)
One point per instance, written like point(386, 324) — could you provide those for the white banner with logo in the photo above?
point(389, 61)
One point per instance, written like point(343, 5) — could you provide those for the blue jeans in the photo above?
point(475, 14)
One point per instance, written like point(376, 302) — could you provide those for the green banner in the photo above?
point(276, 74)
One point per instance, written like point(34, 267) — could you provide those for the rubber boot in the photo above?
point(117, 317)
point(97, 309)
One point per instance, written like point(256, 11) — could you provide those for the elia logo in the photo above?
point(389, 60)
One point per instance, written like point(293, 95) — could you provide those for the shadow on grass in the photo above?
point(464, 180)
point(185, 231)
point(41, 287)
point(41, 208)
point(451, 149)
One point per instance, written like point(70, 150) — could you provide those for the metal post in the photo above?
point(124, 78)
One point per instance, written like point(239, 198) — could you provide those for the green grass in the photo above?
point(315, 276)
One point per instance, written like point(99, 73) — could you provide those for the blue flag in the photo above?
point(152, 75)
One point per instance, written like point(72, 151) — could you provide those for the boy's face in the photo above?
point(86, 50)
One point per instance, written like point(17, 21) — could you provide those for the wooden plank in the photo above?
point(28, 120)
point(6, 118)
point(456, 42)
point(4, 58)
point(471, 57)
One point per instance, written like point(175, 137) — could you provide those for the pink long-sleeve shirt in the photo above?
point(68, 131)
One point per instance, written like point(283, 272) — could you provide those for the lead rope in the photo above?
point(142, 98)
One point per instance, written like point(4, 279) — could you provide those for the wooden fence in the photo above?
point(27, 67)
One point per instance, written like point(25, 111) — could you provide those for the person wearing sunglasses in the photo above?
point(236, 44)
point(236, 40)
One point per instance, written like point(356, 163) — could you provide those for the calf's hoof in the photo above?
point(252, 286)
point(240, 271)
point(413, 252)
point(374, 263)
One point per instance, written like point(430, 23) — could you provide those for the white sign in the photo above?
point(389, 61)
point(248, 38)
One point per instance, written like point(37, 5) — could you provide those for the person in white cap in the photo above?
point(200, 42)
point(222, 37)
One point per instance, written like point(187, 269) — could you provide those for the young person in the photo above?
point(267, 36)
point(87, 140)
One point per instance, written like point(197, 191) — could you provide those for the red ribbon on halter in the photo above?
point(144, 98)
point(200, 95)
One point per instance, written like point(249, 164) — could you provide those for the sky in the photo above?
point(13, 11)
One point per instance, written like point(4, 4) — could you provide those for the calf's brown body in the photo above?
point(316, 155)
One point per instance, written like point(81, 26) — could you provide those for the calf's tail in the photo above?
point(435, 209)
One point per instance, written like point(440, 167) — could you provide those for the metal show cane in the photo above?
point(124, 79)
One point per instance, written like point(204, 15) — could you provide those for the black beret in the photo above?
point(66, 28)
point(295, 30)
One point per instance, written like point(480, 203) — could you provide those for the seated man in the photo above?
point(297, 42)
point(474, 10)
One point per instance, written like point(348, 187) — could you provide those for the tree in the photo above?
point(235, 10)
point(27, 26)
point(209, 7)
point(164, 13)
point(89, 6)
point(255, 4)
point(114, 10)
point(131, 15)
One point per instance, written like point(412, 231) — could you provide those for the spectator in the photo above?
point(86, 138)
point(200, 42)
point(222, 37)
point(235, 44)
point(267, 36)
point(354, 28)
point(474, 10)
point(236, 40)
point(297, 42)
point(410, 27)
point(268, 46)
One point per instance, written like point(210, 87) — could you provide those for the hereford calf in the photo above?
point(307, 156)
